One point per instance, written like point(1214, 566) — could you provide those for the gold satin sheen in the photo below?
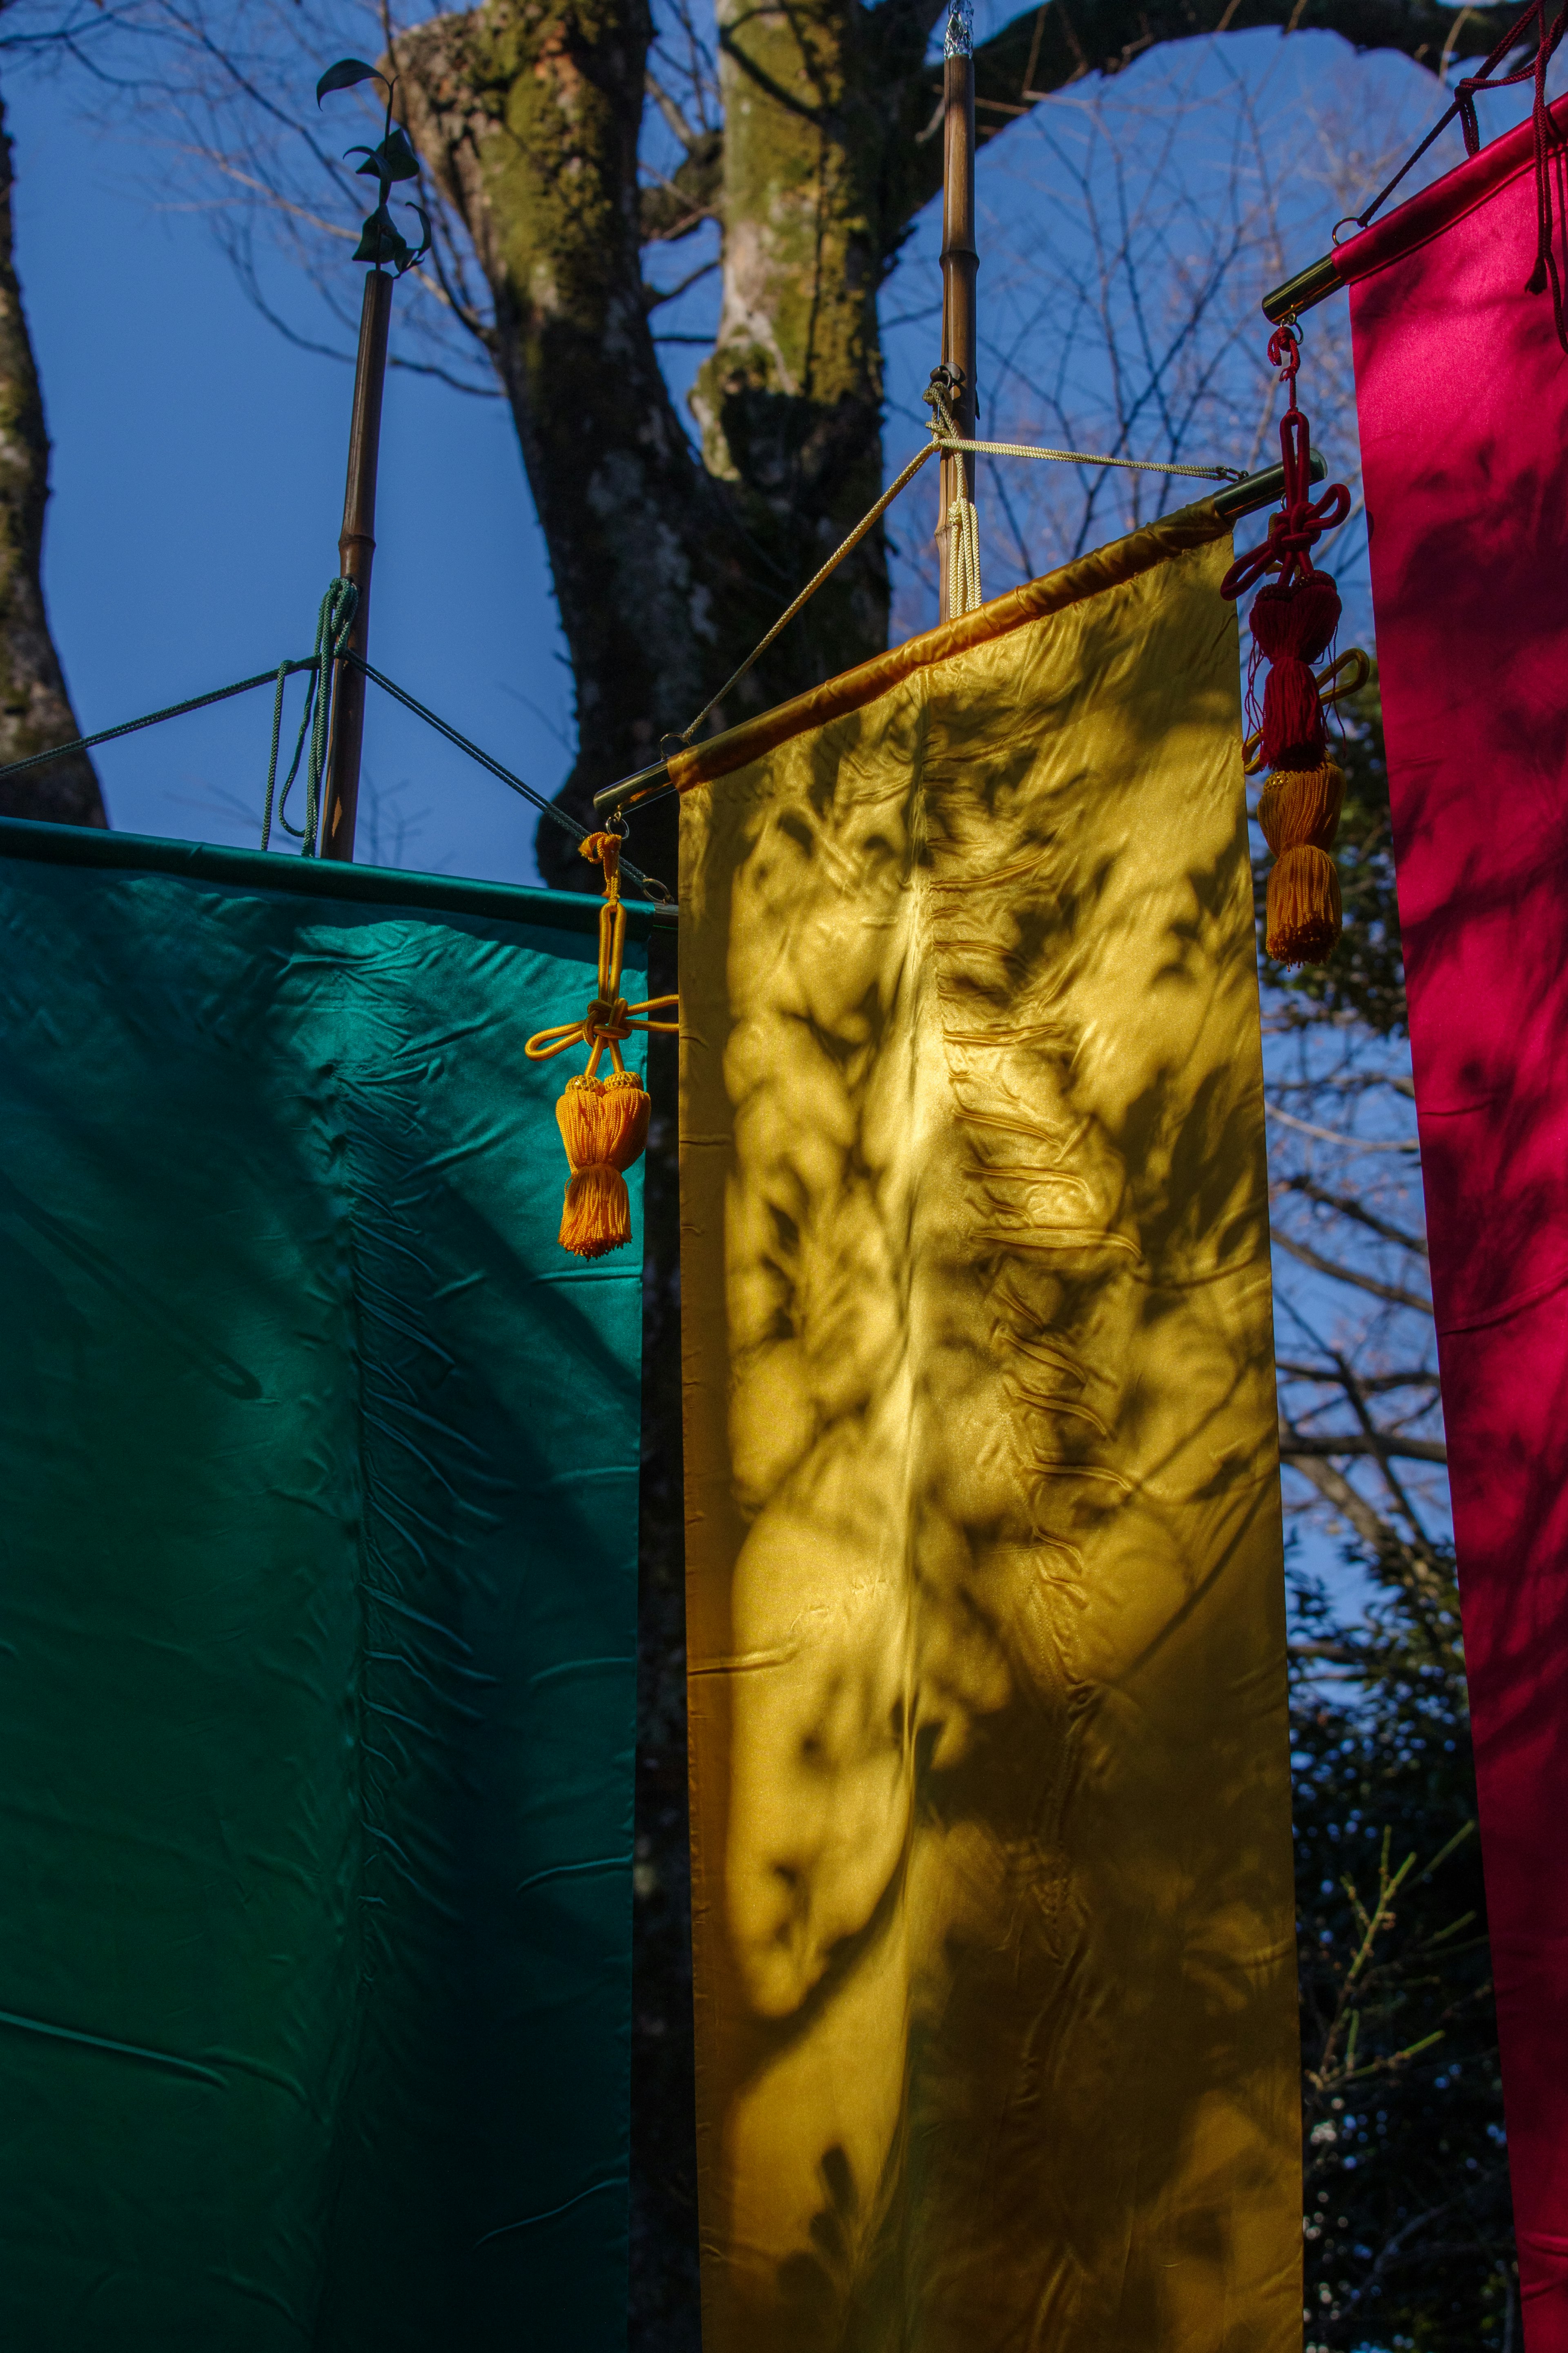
point(991, 1827)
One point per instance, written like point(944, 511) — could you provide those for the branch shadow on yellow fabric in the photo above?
point(992, 1909)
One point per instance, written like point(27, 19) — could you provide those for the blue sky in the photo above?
point(198, 483)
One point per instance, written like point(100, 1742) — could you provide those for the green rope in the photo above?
point(334, 621)
point(149, 719)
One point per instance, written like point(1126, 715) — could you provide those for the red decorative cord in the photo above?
point(1301, 519)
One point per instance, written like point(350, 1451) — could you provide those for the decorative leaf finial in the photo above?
point(380, 240)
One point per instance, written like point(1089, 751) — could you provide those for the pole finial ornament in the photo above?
point(393, 159)
point(959, 41)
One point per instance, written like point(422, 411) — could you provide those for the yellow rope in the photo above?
point(609, 1017)
point(950, 445)
point(963, 558)
point(811, 586)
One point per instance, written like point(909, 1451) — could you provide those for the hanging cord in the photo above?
point(1548, 141)
point(950, 444)
point(334, 621)
point(609, 1019)
point(1343, 679)
point(963, 558)
point(1301, 519)
point(961, 520)
point(1293, 621)
point(602, 1122)
point(944, 442)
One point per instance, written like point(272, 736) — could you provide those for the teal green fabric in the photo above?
point(318, 1546)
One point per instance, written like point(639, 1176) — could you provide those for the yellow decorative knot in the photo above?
point(602, 1122)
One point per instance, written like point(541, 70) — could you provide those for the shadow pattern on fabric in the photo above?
point(992, 1908)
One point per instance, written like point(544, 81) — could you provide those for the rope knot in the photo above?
point(606, 1022)
point(604, 849)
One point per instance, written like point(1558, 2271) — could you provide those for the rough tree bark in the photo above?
point(670, 563)
point(34, 708)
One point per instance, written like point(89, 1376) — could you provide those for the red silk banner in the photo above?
point(1463, 397)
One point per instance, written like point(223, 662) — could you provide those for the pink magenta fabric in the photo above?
point(1463, 396)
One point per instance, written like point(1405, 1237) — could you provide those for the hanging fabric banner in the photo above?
point(993, 1910)
point(1462, 391)
point(318, 1575)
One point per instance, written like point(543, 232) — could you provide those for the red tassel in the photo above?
point(1298, 620)
point(1293, 730)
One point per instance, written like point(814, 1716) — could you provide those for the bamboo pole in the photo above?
point(959, 262)
point(356, 552)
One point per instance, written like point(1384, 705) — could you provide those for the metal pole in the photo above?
point(356, 550)
point(960, 259)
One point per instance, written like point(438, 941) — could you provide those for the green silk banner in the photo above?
point(318, 1582)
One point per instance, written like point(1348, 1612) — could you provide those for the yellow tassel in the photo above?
point(598, 1216)
point(1302, 805)
point(1304, 909)
point(1299, 811)
point(603, 1126)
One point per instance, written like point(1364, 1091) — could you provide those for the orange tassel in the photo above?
point(1304, 914)
point(1299, 811)
point(603, 1126)
point(602, 1122)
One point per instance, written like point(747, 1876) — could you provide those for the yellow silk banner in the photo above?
point(994, 1936)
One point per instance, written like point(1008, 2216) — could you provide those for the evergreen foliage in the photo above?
point(1409, 2237)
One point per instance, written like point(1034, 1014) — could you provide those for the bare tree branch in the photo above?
point(1349, 1207)
point(1392, 1292)
point(1373, 1383)
point(1301, 1448)
point(673, 207)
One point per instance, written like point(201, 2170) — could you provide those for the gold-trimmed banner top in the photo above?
point(1054, 592)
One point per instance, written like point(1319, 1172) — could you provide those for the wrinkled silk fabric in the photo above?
point(993, 1912)
point(318, 1573)
point(1463, 400)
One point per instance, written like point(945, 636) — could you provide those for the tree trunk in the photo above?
point(668, 567)
point(34, 708)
